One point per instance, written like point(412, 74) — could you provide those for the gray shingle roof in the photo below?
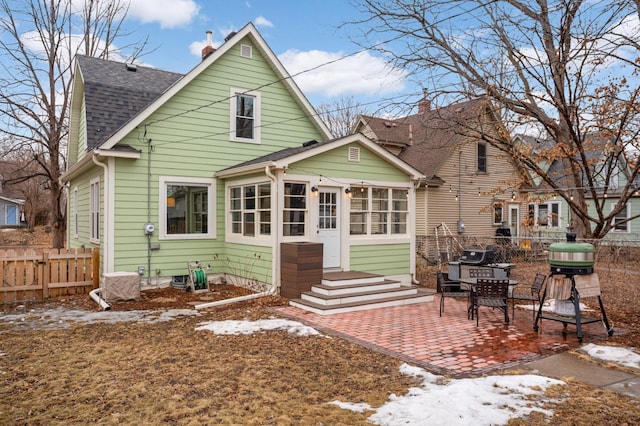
point(114, 94)
point(283, 153)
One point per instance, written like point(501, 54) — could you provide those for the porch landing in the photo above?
point(341, 292)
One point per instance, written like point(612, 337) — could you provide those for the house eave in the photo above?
point(244, 170)
point(87, 161)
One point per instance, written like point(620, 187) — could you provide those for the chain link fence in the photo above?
point(522, 249)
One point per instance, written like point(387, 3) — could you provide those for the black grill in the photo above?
point(477, 257)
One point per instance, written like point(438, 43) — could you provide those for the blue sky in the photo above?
point(303, 34)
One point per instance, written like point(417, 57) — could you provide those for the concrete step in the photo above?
point(421, 296)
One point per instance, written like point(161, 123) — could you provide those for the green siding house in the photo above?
point(223, 165)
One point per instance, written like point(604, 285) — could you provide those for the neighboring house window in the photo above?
point(622, 215)
point(378, 211)
point(187, 208)
point(250, 209)
point(531, 214)
point(482, 158)
point(549, 214)
point(75, 212)
point(245, 116)
point(94, 210)
point(295, 209)
point(497, 213)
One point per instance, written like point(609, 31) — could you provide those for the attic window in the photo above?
point(354, 154)
point(246, 51)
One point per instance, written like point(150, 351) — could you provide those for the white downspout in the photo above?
point(273, 290)
point(94, 295)
point(105, 254)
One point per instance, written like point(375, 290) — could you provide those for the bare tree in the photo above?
point(567, 70)
point(40, 39)
point(341, 115)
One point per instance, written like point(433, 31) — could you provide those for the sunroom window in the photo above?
point(378, 211)
point(250, 209)
point(295, 209)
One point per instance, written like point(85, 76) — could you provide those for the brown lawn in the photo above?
point(170, 373)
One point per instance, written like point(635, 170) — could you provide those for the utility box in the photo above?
point(120, 286)
point(301, 268)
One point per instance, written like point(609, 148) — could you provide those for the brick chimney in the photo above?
point(424, 105)
point(208, 49)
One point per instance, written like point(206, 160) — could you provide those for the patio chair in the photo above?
point(490, 292)
point(532, 293)
point(449, 288)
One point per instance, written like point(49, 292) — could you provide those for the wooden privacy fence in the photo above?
point(37, 274)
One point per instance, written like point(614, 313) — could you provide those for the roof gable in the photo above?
point(282, 158)
point(248, 31)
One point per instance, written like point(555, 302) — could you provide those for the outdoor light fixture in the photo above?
point(347, 191)
point(314, 189)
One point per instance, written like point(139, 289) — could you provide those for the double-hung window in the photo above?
point(378, 211)
point(245, 115)
point(187, 208)
point(497, 213)
point(250, 210)
point(482, 158)
point(94, 210)
point(548, 214)
point(75, 212)
point(622, 215)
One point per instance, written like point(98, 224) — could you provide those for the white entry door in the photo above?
point(329, 226)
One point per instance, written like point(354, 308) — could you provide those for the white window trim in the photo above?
point(210, 183)
point(549, 214)
point(486, 160)
point(388, 237)
point(233, 92)
point(258, 239)
point(502, 205)
point(75, 212)
point(94, 183)
point(307, 212)
point(628, 224)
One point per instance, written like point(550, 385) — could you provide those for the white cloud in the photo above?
point(360, 74)
point(167, 13)
point(261, 21)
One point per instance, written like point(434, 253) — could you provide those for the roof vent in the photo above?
point(389, 124)
point(230, 36)
point(309, 143)
point(132, 67)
